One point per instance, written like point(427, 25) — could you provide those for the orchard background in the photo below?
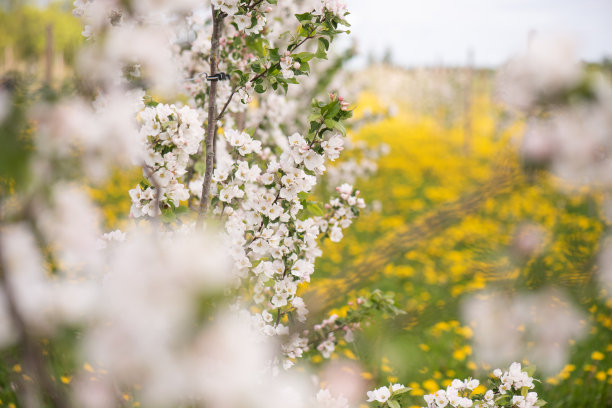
point(457, 213)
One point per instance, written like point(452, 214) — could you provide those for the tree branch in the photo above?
point(234, 90)
point(212, 122)
point(256, 77)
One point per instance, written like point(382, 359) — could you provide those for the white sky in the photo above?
point(432, 32)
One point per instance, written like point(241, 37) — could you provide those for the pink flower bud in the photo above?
point(340, 98)
point(359, 301)
point(287, 53)
point(296, 65)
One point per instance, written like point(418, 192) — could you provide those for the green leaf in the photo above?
point(321, 50)
point(330, 123)
point(344, 22)
point(314, 127)
point(325, 43)
point(274, 56)
point(168, 215)
point(540, 403)
point(259, 88)
point(530, 370)
point(304, 17)
point(503, 399)
point(340, 128)
point(304, 56)
point(314, 209)
point(402, 390)
point(200, 167)
point(393, 404)
point(334, 108)
point(305, 67)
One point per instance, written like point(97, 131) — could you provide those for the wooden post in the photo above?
point(49, 55)
point(467, 102)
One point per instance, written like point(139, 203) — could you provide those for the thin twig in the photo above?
point(278, 316)
point(234, 90)
point(254, 5)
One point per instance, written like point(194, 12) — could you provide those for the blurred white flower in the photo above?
point(549, 65)
point(537, 326)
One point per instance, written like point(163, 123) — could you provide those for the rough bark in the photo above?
point(211, 129)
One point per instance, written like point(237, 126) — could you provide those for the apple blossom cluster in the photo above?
point(510, 389)
point(341, 211)
point(337, 7)
point(513, 379)
point(98, 134)
point(326, 330)
point(383, 394)
point(109, 237)
point(457, 394)
point(288, 65)
point(327, 400)
point(273, 241)
point(361, 162)
point(360, 310)
point(230, 7)
point(170, 136)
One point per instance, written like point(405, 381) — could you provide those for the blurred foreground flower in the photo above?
point(539, 327)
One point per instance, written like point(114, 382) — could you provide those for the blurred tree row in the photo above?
point(23, 31)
